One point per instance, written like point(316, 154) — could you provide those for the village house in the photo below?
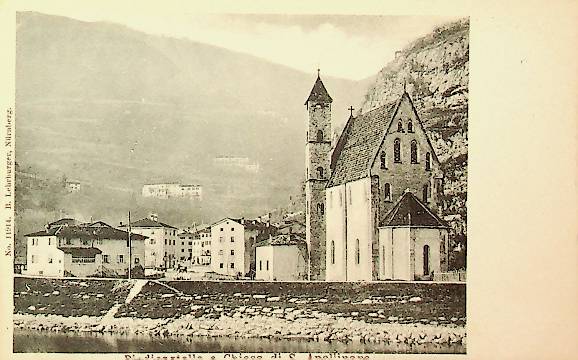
point(282, 258)
point(350, 190)
point(161, 245)
point(184, 249)
point(233, 245)
point(69, 248)
point(201, 246)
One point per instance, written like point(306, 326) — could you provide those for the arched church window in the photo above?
point(321, 209)
point(425, 193)
point(320, 172)
point(399, 126)
point(397, 151)
point(387, 191)
point(332, 252)
point(427, 161)
point(319, 135)
point(383, 160)
point(357, 252)
point(414, 152)
point(426, 259)
point(409, 126)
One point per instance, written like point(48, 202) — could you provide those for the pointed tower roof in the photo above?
point(410, 211)
point(319, 92)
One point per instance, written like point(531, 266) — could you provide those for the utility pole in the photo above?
point(129, 247)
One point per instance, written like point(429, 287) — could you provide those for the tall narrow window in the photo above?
point(319, 136)
point(409, 126)
point(399, 126)
point(382, 158)
point(397, 151)
point(414, 152)
point(332, 252)
point(426, 259)
point(387, 191)
point(321, 209)
point(350, 197)
point(357, 252)
point(427, 161)
point(320, 173)
point(425, 193)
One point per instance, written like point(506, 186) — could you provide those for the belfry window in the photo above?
point(319, 136)
point(383, 160)
point(332, 252)
point(427, 161)
point(409, 126)
point(414, 152)
point(320, 172)
point(399, 126)
point(387, 192)
point(397, 151)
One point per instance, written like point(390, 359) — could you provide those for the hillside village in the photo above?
point(395, 175)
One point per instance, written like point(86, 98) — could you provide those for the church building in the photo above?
point(352, 188)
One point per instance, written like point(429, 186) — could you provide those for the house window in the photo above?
point(136, 260)
point(425, 193)
point(174, 242)
point(397, 151)
point(182, 243)
point(357, 252)
point(68, 242)
point(221, 229)
point(232, 239)
point(232, 229)
point(49, 241)
point(221, 252)
point(33, 259)
point(121, 259)
point(321, 209)
point(426, 259)
point(387, 191)
point(221, 238)
point(232, 265)
point(182, 250)
point(427, 161)
point(319, 136)
point(320, 172)
point(414, 152)
point(153, 241)
point(399, 126)
point(260, 264)
point(332, 252)
point(105, 259)
point(267, 264)
point(166, 242)
point(221, 265)
point(383, 160)
point(233, 252)
point(409, 126)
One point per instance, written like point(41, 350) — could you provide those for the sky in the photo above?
point(346, 46)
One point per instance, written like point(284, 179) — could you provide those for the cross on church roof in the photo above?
point(351, 110)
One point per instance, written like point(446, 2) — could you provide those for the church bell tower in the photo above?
point(317, 162)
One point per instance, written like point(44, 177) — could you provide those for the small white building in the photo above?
point(173, 190)
point(282, 258)
point(413, 241)
point(72, 186)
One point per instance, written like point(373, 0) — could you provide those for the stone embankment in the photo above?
point(182, 311)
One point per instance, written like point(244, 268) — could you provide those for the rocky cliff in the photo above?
point(435, 69)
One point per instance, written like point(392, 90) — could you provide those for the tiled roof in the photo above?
point(283, 239)
point(148, 223)
point(358, 144)
point(319, 93)
point(65, 221)
point(47, 232)
point(410, 211)
point(81, 251)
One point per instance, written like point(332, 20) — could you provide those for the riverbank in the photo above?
point(380, 313)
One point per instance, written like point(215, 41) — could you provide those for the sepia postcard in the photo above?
point(186, 182)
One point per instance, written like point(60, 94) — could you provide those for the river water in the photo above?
point(32, 341)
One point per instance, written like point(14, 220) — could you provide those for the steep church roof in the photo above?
point(410, 211)
point(319, 93)
point(358, 142)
